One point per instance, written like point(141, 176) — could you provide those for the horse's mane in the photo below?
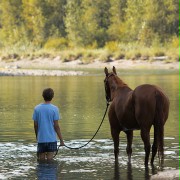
point(120, 82)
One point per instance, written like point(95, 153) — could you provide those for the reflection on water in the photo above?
point(47, 170)
point(129, 172)
point(95, 161)
point(82, 104)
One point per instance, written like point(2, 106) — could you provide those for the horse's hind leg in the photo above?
point(115, 136)
point(147, 146)
point(129, 135)
point(154, 147)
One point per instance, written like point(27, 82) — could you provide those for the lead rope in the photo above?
point(91, 138)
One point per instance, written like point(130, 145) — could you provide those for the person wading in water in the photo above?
point(46, 116)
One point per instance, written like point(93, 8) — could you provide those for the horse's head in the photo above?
point(107, 83)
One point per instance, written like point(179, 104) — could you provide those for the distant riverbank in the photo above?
point(55, 67)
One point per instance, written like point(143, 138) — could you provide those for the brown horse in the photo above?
point(136, 109)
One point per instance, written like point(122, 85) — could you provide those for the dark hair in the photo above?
point(48, 94)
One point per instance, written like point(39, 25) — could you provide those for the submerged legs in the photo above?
point(115, 135)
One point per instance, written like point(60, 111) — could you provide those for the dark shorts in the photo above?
point(47, 147)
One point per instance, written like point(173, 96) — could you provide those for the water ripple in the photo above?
point(18, 159)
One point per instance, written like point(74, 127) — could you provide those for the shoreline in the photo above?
point(55, 67)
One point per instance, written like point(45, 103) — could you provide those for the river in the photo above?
point(82, 104)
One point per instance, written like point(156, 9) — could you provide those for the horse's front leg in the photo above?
point(115, 129)
point(129, 135)
point(115, 136)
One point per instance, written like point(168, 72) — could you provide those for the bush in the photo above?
point(94, 45)
point(56, 43)
point(159, 53)
point(105, 56)
point(119, 55)
point(112, 46)
point(137, 55)
point(175, 42)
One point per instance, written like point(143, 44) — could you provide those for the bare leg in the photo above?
point(146, 139)
point(49, 156)
point(129, 135)
point(41, 156)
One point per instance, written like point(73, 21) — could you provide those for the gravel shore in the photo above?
point(38, 72)
point(53, 67)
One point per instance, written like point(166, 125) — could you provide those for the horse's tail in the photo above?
point(159, 121)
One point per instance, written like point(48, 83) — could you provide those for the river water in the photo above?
point(82, 104)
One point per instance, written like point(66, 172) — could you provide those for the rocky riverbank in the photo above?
point(53, 67)
point(38, 72)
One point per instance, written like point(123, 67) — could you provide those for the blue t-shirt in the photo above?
point(45, 115)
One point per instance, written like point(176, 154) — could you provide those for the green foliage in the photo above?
point(92, 24)
point(117, 29)
point(56, 44)
point(159, 53)
point(34, 21)
point(86, 22)
point(112, 46)
point(73, 23)
point(10, 31)
point(54, 13)
point(105, 56)
point(175, 42)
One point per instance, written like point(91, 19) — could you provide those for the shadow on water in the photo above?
point(48, 170)
point(119, 173)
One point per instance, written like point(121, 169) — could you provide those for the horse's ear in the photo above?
point(114, 70)
point(106, 71)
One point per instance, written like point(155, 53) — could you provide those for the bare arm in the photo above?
point(58, 131)
point(35, 128)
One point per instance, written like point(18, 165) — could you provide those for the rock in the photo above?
point(16, 67)
point(166, 175)
point(57, 58)
point(160, 58)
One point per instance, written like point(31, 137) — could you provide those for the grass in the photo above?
point(109, 52)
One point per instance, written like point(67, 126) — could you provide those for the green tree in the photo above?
point(73, 22)
point(10, 21)
point(95, 21)
point(87, 22)
point(117, 17)
point(160, 20)
point(172, 16)
point(103, 21)
point(34, 21)
point(134, 19)
point(54, 13)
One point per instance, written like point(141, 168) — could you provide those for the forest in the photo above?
point(124, 28)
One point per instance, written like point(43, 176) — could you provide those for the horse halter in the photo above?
point(107, 88)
